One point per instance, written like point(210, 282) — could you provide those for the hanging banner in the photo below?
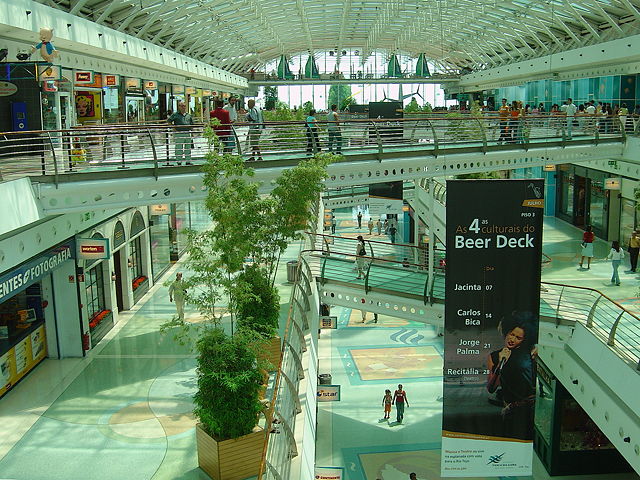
point(494, 245)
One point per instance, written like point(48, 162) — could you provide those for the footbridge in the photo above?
point(108, 167)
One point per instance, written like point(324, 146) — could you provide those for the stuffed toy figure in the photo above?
point(47, 51)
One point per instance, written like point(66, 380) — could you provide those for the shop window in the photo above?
point(94, 286)
point(20, 312)
point(135, 259)
point(137, 225)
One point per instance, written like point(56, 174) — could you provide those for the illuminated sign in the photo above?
point(7, 89)
point(612, 183)
point(328, 393)
point(83, 77)
point(93, 248)
point(150, 85)
point(111, 80)
point(329, 322)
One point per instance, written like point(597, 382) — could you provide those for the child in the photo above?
point(386, 403)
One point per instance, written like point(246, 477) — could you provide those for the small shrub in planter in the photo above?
point(257, 302)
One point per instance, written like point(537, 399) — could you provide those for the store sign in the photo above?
point(328, 393)
point(380, 205)
point(132, 83)
point(329, 322)
point(612, 183)
point(190, 90)
point(328, 473)
point(47, 73)
point(177, 89)
point(19, 279)
point(93, 248)
point(7, 89)
point(494, 243)
point(549, 168)
point(83, 77)
point(161, 209)
point(206, 93)
point(150, 85)
point(111, 80)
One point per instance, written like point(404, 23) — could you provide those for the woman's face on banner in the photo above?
point(514, 338)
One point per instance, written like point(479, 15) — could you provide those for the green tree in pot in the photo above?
point(227, 404)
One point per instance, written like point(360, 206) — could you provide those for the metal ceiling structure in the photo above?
point(460, 35)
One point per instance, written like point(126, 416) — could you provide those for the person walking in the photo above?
point(587, 246)
point(400, 400)
point(569, 110)
point(634, 250)
point(392, 233)
point(231, 108)
point(313, 142)
point(177, 291)
point(623, 113)
point(504, 112)
point(370, 226)
point(182, 121)
point(379, 226)
point(359, 219)
point(333, 128)
point(361, 252)
point(254, 117)
point(223, 129)
point(386, 403)
point(333, 224)
point(616, 254)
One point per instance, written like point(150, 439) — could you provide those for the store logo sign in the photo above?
point(93, 248)
point(84, 77)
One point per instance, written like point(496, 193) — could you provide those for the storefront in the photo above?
point(582, 198)
point(55, 98)
point(566, 440)
point(112, 103)
point(88, 97)
point(38, 313)
point(117, 281)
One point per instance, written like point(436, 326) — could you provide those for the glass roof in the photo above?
point(455, 34)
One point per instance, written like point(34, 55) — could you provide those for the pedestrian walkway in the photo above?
point(123, 412)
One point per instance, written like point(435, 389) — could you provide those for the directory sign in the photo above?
point(494, 247)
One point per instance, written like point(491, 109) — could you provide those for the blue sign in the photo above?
point(19, 279)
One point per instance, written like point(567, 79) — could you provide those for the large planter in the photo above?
point(234, 459)
point(271, 352)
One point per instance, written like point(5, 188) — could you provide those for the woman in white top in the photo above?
point(615, 255)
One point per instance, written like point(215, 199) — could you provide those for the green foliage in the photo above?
point(340, 95)
point(463, 128)
point(307, 107)
point(270, 97)
point(287, 136)
point(414, 107)
point(258, 302)
point(227, 402)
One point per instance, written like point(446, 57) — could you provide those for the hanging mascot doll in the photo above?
point(47, 51)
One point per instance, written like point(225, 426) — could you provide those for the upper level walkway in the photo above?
point(118, 166)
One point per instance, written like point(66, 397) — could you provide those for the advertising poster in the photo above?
point(494, 246)
point(22, 352)
point(7, 369)
point(329, 473)
point(328, 322)
point(328, 393)
point(38, 344)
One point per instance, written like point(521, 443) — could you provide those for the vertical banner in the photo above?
point(494, 247)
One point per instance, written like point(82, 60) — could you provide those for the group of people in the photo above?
point(390, 227)
point(226, 115)
point(333, 131)
point(399, 399)
point(589, 116)
point(616, 253)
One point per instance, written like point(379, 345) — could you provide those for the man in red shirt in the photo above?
point(400, 400)
point(223, 131)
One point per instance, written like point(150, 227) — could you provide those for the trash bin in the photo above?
point(324, 379)
point(292, 271)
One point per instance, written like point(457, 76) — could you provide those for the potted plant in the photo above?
point(227, 405)
point(258, 309)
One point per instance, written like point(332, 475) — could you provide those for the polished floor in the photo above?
point(124, 412)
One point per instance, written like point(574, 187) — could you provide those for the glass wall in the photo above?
point(599, 202)
point(566, 191)
point(94, 287)
point(159, 237)
point(627, 220)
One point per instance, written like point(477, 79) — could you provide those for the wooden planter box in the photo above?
point(271, 351)
point(234, 459)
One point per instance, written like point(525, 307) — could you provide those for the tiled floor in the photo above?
point(124, 411)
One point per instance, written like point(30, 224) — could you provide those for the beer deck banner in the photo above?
point(494, 247)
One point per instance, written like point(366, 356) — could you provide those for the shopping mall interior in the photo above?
point(409, 181)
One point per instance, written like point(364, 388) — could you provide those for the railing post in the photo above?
point(166, 143)
point(55, 161)
point(592, 312)
point(122, 146)
point(484, 135)
point(367, 289)
point(66, 146)
point(235, 136)
point(435, 139)
point(379, 140)
point(612, 334)
point(155, 154)
point(597, 132)
point(558, 307)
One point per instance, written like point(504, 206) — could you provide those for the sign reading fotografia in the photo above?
point(494, 244)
